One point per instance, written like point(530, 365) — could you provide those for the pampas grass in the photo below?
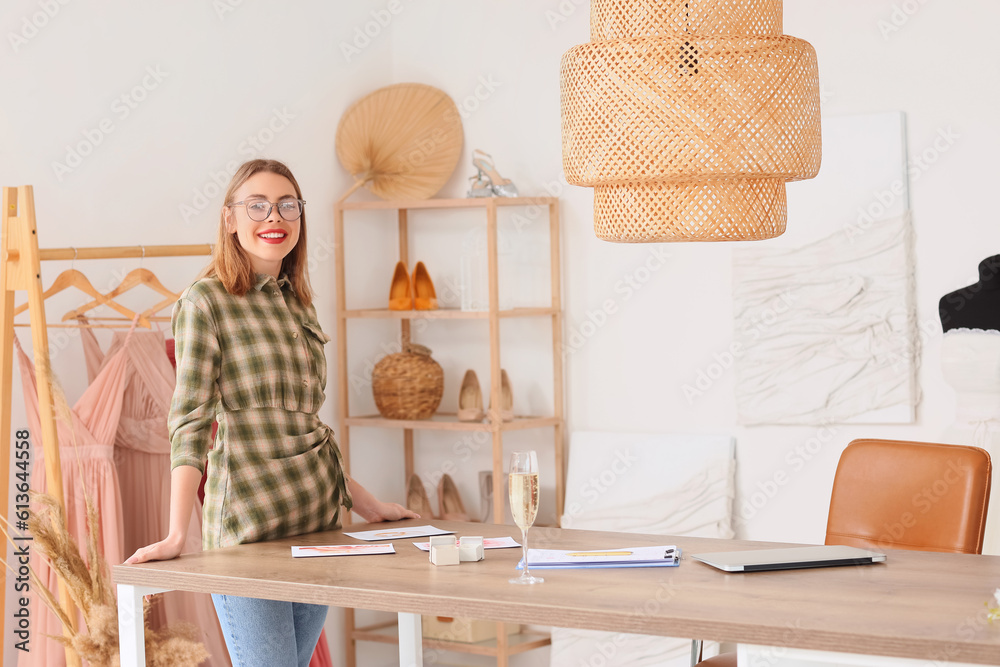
point(90, 588)
point(88, 582)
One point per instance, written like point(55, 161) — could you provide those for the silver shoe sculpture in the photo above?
point(488, 182)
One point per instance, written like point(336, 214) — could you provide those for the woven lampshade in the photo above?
point(401, 141)
point(687, 117)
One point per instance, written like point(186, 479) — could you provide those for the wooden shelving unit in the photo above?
point(504, 646)
point(385, 633)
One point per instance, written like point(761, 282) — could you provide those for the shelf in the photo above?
point(517, 643)
point(469, 202)
point(449, 422)
point(487, 209)
point(446, 314)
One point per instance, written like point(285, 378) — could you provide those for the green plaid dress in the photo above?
point(255, 363)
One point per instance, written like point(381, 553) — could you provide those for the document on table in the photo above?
point(398, 533)
point(343, 550)
point(488, 543)
point(659, 556)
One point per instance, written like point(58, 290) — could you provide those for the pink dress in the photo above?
point(142, 459)
point(87, 462)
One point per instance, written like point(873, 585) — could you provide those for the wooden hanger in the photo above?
point(73, 278)
point(133, 279)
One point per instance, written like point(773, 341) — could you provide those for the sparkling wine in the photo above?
point(524, 498)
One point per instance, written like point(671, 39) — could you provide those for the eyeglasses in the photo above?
point(288, 209)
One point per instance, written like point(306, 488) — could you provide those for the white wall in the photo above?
point(224, 73)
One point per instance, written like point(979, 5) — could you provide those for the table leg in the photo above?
point(411, 646)
point(131, 632)
point(695, 652)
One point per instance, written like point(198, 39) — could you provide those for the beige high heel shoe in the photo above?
point(470, 399)
point(416, 498)
point(450, 504)
point(506, 407)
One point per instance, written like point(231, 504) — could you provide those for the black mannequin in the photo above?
point(976, 306)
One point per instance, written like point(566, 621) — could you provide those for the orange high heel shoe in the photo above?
point(424, 296)
point(401, 290)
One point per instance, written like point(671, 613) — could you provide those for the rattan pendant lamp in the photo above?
point(687, 117)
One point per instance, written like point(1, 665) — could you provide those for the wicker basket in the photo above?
point(408, 384)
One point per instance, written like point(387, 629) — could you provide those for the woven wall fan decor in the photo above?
point(401, 142)
point(687, 117)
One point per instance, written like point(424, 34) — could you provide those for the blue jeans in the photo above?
point(269, 633)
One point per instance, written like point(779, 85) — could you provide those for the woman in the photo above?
point(250, 356)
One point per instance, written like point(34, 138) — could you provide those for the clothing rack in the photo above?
point(20, 269)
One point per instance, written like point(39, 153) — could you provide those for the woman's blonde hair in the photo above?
point(230, 262)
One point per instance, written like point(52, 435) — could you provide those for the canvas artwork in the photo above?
point(825, 324)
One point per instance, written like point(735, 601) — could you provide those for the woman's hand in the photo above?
point(373, 510)
point(162, 550)
point(385, 512)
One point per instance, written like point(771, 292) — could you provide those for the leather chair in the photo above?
point(895, 494)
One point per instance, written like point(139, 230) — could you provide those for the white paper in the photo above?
point(343, 550)
point(398, 533)
point(488, 543)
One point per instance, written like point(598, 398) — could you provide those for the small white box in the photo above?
point(444, 554)
point(470, 549)
point(441, 540)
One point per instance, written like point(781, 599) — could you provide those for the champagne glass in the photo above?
point(523, 488)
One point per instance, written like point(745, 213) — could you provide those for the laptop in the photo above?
point(792, 558)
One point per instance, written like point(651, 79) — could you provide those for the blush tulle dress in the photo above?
point(142, 459)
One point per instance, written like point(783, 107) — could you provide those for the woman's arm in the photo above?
point(371, 509)
point(184, 481)
point(189, 422)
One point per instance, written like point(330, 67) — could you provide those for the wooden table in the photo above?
point(916, 605)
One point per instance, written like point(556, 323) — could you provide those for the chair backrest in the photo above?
point(922, 496)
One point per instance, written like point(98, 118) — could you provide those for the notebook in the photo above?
point(792, 558)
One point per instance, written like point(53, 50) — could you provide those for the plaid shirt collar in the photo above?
point(282, 282)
